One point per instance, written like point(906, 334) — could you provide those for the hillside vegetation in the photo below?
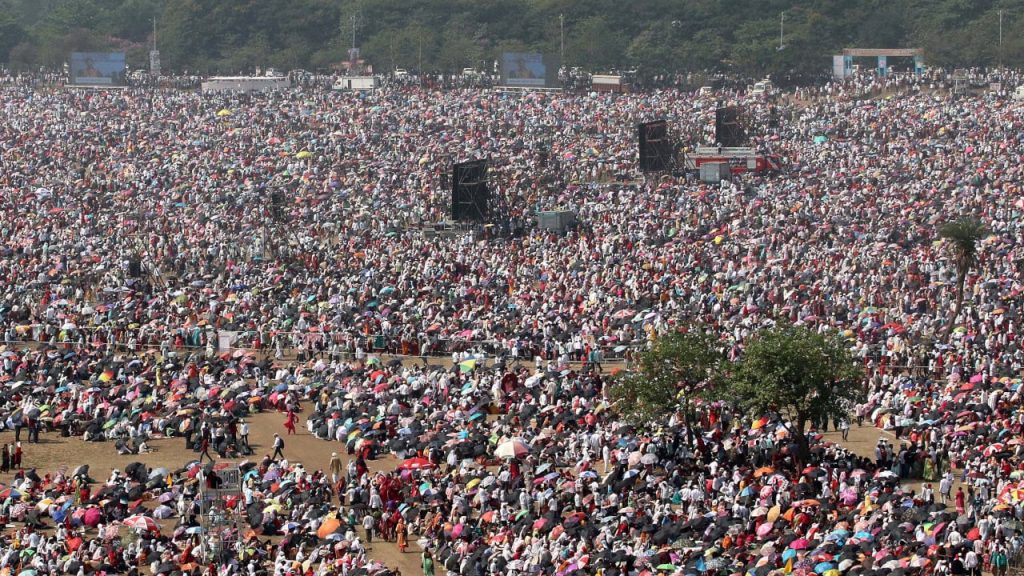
point(652, 36)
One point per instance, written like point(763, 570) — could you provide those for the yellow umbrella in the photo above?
point(303, 154)
point(472, 483)
point(223, 112)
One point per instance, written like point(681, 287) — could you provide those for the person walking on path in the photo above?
point(278, 447)
point(402, 534)
point(428, 563)
point(336, 467)
point(205, 449)
point(946, 487)
point(289, 422)
point(368, 523)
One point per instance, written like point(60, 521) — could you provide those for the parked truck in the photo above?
point(356, 83)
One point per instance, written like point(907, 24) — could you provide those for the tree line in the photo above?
point(652, 37)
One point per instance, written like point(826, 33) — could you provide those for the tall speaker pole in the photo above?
point(561, 31)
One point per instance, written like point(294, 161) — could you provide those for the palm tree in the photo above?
point(963, 236)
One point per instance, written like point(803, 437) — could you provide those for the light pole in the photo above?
point(356, 19)
point(1001, 38)
point(561, 33)
point(782, 26)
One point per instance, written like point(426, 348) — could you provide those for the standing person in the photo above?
point(428, 563)
point(204, 449)
point(844, 427)
point(972, 563)
point(289, 422)
point(278, 447)
point(16, 460)
point(243, 433)
point(336, 468)
point(946, 487)
point(402, 534)
point(5, 459)
point(368, 527)
point(999, 561)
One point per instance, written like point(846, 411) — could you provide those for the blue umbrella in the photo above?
point(837, 534)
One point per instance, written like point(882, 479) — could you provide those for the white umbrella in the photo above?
point(514, 448)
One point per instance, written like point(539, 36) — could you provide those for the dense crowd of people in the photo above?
point(176, 262)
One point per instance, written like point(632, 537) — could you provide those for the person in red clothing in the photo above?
point(289, 422)
point(205, 449)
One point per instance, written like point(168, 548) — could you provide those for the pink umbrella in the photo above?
point(457, 530)
point(764, 529)
point(92, 517)
point(800, 544)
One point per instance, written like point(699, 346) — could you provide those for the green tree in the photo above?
point(596, 44)
point(12, 33)
point(962, 237)
point(677, 368)
point(799, 374)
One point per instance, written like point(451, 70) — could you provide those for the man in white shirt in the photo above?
point(945, 487)
point(368, 527)
point(971, 564)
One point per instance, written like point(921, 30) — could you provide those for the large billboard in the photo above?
point(529, 70)
point(98, 68)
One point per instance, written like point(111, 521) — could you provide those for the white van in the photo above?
point(762, 88)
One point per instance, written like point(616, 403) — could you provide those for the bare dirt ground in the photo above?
point(53, 453)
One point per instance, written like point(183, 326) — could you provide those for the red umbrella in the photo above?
point(416, 464)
